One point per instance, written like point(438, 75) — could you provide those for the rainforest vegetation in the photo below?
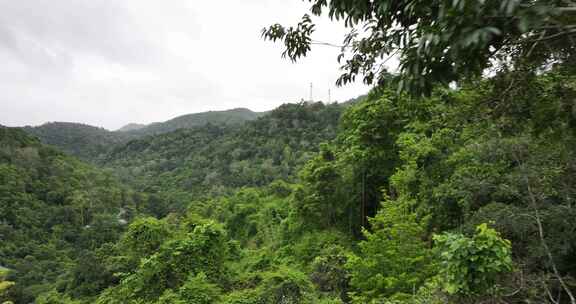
point(445, 184)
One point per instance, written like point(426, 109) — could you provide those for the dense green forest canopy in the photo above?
point(464, 194)
point(191, 163)
point(55, 213)
point(229, 117)
point(92, 143)
point(84, 141)
point(459, 197)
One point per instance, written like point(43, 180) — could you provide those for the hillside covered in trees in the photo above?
point(90, 143)
point(211, 160)
point(450, 198)
point(452, 181)
point(56, 212)
point(229, 117)
point(83, 141)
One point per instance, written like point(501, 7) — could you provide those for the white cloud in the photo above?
point(110, 62)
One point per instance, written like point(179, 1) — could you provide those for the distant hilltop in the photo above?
point(88, 142)
point(131, 127)
point(226, 117)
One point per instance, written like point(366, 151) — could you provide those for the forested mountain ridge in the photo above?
point(131, 127)
point(81, 140)
point(90, 143)
point(56, 212)
point(281, 142)
point(465, 196)
point(451, 182)
point(405, 200)
point(227, 117)
point(214, 159)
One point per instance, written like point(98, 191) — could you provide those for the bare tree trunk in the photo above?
point(363, 213)
point(534, 205)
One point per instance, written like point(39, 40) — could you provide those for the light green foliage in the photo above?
point(471, 266)
point(196, 290)
point(393, 260)
point(4, 283)
point(180, 263)
point(253, 217)
point(309, 245)
point(54, 297)
point(247, 296)
point(330, 301)
point(319, 203)
point(280, 285)
point(170, 297)
point(143, 237)
point(285, 285)
point(260, 221)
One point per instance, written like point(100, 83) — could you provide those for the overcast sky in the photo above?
point(111, 62)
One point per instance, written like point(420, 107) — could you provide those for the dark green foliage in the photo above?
point(87, 276)
point(438, 42)
point(329, 273)
point(473, 160)
point(343, 183)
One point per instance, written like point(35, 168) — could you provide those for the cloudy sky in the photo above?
point(110, 62)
